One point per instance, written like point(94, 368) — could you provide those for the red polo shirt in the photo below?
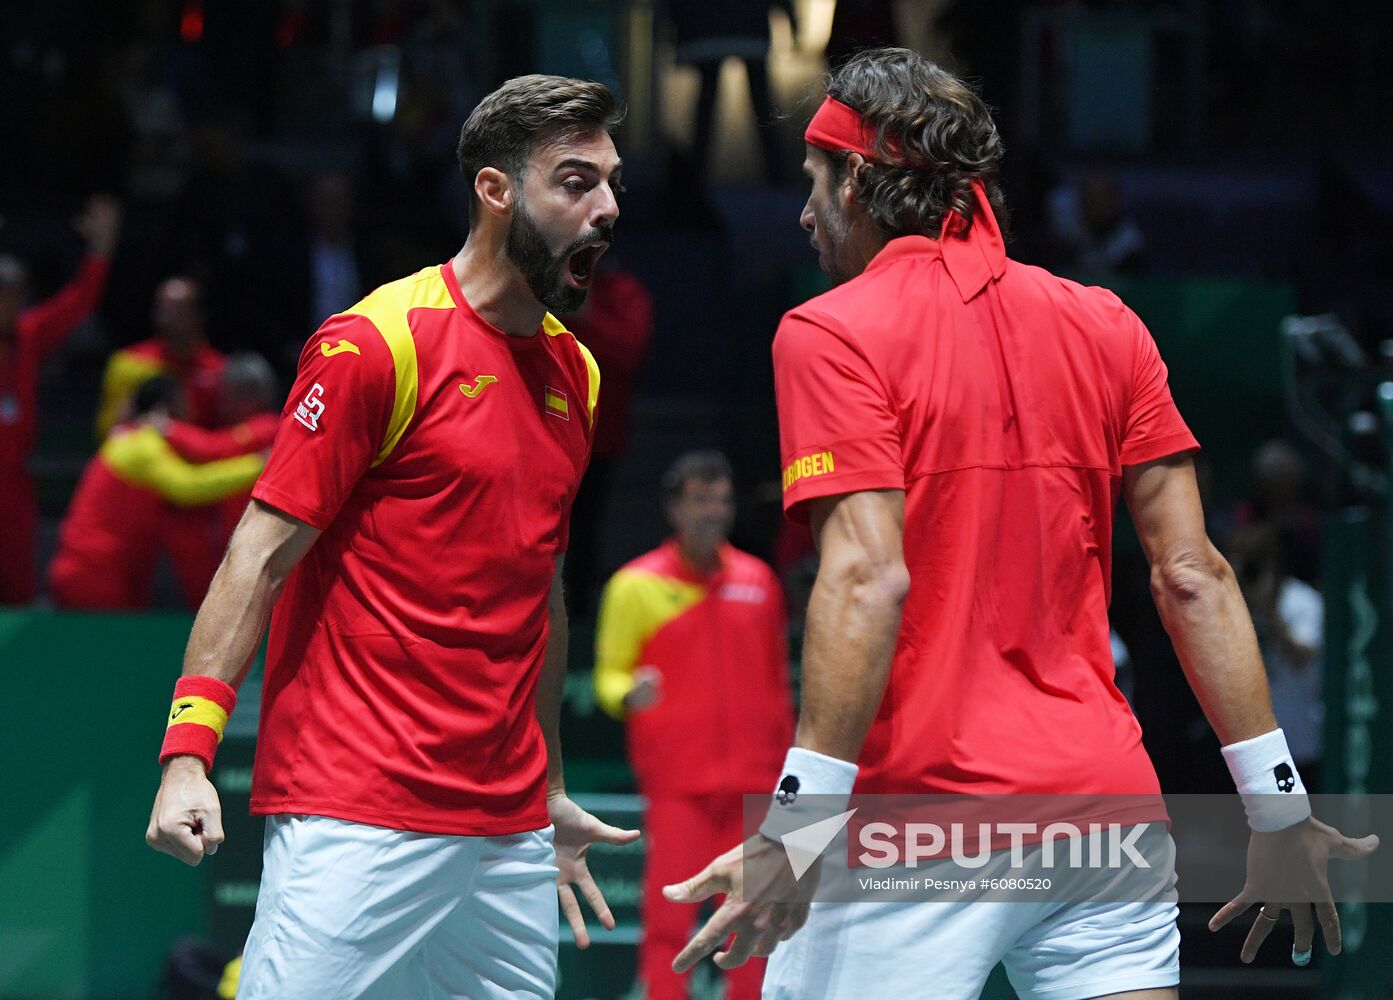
point(1004, 401)
point(440, 457)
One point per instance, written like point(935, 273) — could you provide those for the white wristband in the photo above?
point(1273, 796)
point(813, 787)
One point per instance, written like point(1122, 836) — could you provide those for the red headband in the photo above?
point(837, 127)
point(974, 257)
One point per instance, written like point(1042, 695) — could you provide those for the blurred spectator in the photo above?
point(708, 34)
point(249, 402)
point(116, 527)
point(1289, 617)
point(26, 336)
point(1278, 498)
point(616, 324)
point(1092, 229)
point(335, 260)
point(690, 649)
point(178, 348)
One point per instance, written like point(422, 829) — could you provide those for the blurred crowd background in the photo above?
point(188, 187)
point(200, 183)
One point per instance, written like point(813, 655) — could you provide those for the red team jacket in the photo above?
point(119, 521)
point(726, 715)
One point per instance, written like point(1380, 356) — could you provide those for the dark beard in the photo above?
point(837, 234)
point(527, 249)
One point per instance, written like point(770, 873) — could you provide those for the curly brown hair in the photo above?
point(934, 136)
point(508, 124)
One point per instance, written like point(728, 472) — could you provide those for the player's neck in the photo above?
point(702, 559)
point(495, 290)
point(867, 240)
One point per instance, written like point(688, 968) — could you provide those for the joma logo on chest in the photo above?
point(481, 382)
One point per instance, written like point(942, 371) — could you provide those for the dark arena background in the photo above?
point(1226, 166)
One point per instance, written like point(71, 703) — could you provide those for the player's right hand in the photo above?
point(187, 819)
point(765, 903)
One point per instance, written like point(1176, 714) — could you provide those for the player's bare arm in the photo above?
point(1200, 603)
point(187, 818)
point(575, 828)
point(853, 619)
point(1197, 595)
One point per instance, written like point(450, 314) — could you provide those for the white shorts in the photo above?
point(946, 950)
point(349, 910)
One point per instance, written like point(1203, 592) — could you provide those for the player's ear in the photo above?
point(851, 176)
point(494, 189)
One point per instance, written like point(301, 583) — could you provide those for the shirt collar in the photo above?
point(689, 572)
point(972, 260)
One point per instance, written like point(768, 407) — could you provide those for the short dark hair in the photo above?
point(933, 126)
point(706, 466)
point(510, 123)
point(154, 392)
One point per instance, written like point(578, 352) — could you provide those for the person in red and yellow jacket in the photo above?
point(691, 651)
point(27, 335)
point(117, 523)
point(178, 349)
point(248, 408)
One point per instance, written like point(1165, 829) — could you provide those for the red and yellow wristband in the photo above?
point(197, 718)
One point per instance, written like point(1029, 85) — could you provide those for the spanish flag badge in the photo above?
point(556, 402)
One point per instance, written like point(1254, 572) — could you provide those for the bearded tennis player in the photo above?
point(405, 541)
point(957, 428)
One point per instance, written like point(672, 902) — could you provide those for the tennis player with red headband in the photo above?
point(957, 428)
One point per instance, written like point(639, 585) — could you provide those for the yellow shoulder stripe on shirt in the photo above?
point(636, 605)
point(388, 309)
point(554, 328)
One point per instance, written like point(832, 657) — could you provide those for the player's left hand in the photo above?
point(764, 903)
point(1292, 864)
point(576, 830)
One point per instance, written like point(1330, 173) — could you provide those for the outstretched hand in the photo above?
point(1293, 864)
point(576, 830)
point(764, 905)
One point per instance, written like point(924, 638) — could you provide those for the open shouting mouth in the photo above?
point(580, 266)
